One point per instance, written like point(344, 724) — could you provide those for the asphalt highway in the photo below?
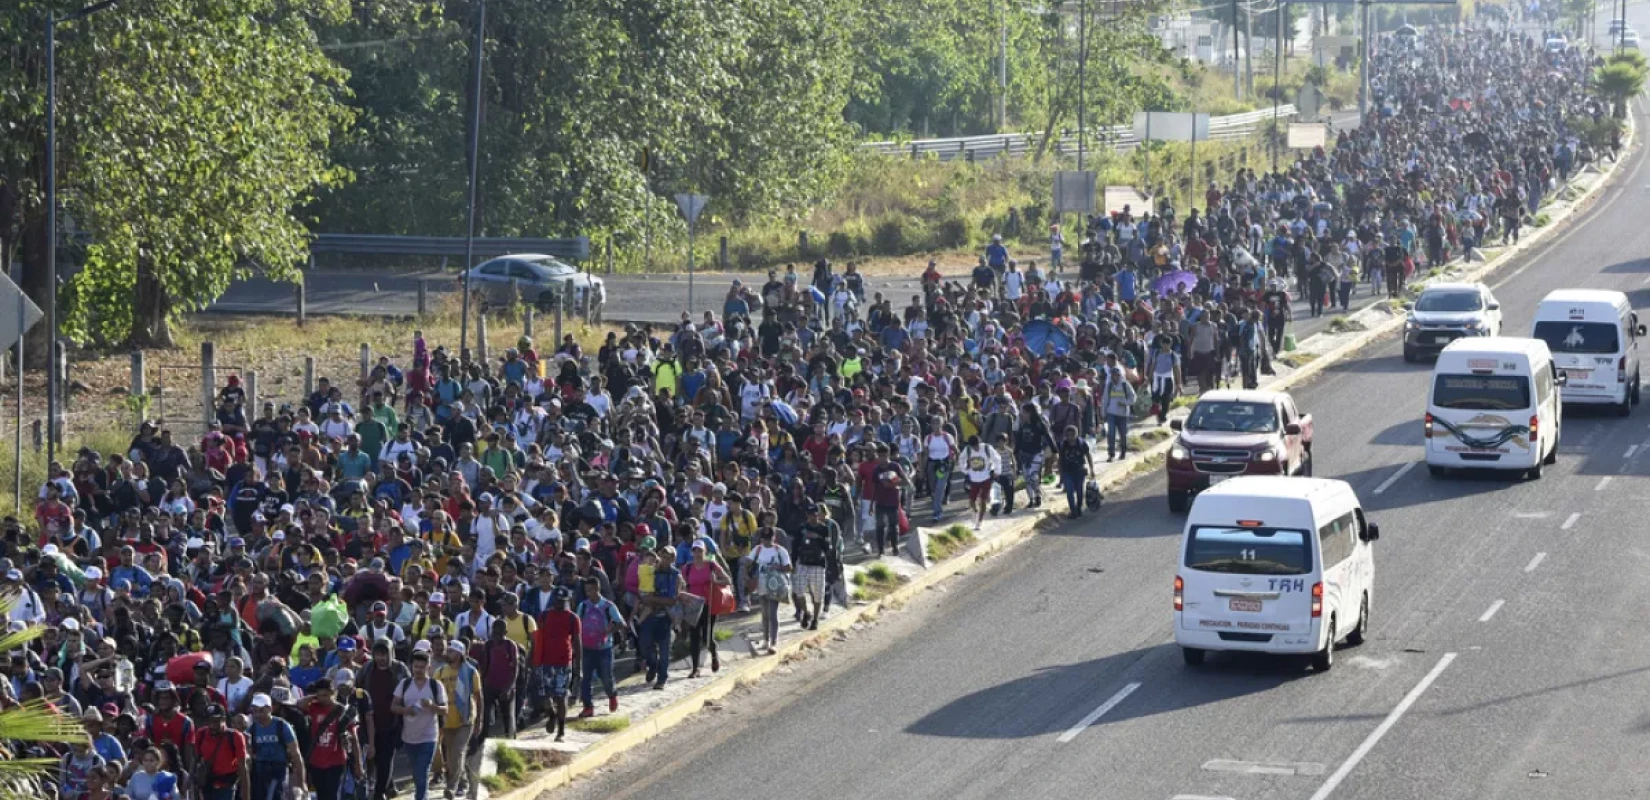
point(1507, 657)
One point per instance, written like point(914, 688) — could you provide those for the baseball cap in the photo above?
point(454, 646)
point(346, 644)
point(94, 574)
point(194, 543)
point(71, 624)
point(14, 575)
point(380, 606)
point(49, 550)
point(438, 598)
point(261, 700)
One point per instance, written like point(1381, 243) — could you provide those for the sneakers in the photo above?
point(588, 712)
point(612, 705)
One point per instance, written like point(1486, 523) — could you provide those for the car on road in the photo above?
point(1231, 433)
point(1594, 338)
point(533, 278)
point(1493, 404)
point(1630, 39)
point(1275, 565)
point(1448, 311)
point(1616, 25)
point(1557, 43)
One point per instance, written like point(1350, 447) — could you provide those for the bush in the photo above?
point(951, 234)
point(890, 238)
point(840, 245)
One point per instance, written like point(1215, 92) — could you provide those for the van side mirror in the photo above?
point(1371, 531)
point(1495, 306)
point(1293, 429)
point(1639, 331)
point(1563, 378)
point(1176, 425)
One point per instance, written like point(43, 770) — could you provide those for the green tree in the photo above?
point(190, 131)
point(1619, 81)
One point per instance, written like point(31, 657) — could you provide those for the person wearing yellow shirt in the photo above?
point(444, 543)
point(464, 728)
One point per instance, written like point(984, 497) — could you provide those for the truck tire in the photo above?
point(1179, 501)
point(1324, 660)
point(1193, 656)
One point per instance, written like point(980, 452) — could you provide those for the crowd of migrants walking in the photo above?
point(449, 550)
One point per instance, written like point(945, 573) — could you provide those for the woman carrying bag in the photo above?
point(706, 578)
point(771, 583)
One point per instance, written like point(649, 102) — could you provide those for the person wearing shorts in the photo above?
point(981, 464)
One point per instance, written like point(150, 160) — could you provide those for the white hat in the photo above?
point(194, 543)
point(94, 574)
point(438, 597)
point(278, 536)
point(49, 550)
point(261, 700)
point(71, 624)
point(423, 646)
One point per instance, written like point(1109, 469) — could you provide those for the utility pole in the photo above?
point(1277, 85)
point(1082, 79)
point(1237, 75)
point(54, 376)
point(1249, 47)
point(475, 161)
point(1002, 73)
point(1363, 65)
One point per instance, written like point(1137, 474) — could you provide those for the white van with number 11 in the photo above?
point(1270, 564)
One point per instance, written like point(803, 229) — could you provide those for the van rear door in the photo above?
point(1587, 350)
point(1248, 582)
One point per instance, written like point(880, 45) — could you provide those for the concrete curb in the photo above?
point(599, 754)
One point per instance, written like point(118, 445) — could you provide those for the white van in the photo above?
point(1594, 338)
point(1493, 404)
point(1271, 564)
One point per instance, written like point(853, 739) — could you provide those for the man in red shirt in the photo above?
point(817, 445)
point(166, 724)
point(554, 654)
point(331, 738)
point(219, 756)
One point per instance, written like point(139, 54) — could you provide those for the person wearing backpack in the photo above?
point(461, 735)
point(421, 702)
point(555, 652)
point(380, 678)
point(219, 756)
point(331, 728)
point(501, 663)
point(599, 623)
point(939, 451)
point(276, 757)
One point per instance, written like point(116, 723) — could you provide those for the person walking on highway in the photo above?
point(1117, 403)
point(770, 583)
point(939, 451)
point(1076, 463)
point(981, 466)
point(1031, 441)
point(1166, 377)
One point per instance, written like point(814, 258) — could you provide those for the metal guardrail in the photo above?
point(1119, 137)
point(574, 249)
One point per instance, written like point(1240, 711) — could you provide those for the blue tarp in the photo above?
point(1039, 332)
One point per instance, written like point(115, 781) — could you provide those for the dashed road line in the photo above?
point(1570, 521)
point(1535, 562)
point(1095, 715)
point(1490, 614)
point(1403, 470)
point(1603, 482)
point(1631, 449)
point(1263, 767)
point(1340, 774)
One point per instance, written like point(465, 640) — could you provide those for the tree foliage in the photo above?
point(190, 133)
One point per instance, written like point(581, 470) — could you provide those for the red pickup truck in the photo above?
point(1231, 433)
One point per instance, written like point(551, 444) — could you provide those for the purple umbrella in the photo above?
point(1177, 281)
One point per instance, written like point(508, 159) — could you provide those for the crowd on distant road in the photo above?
point(449, 549)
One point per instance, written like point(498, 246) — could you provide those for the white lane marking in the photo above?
point(1199, 797)
point(1535, 562)
point(1264, 767)
point(1335, 779)
point(1603, 482)
point(1530, 515)
point(1570, 521)
point(1494, 607)
point(1631, 449)
point(1403, 470)
point(1646, 279)
point(1095, 715)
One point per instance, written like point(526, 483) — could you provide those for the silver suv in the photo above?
point(1448, 311)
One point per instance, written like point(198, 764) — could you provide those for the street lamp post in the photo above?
point(475, 162)
point(54, 379)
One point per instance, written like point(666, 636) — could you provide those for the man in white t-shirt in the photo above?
point(421, 702)
point(1014, 283)
point(981, 464)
